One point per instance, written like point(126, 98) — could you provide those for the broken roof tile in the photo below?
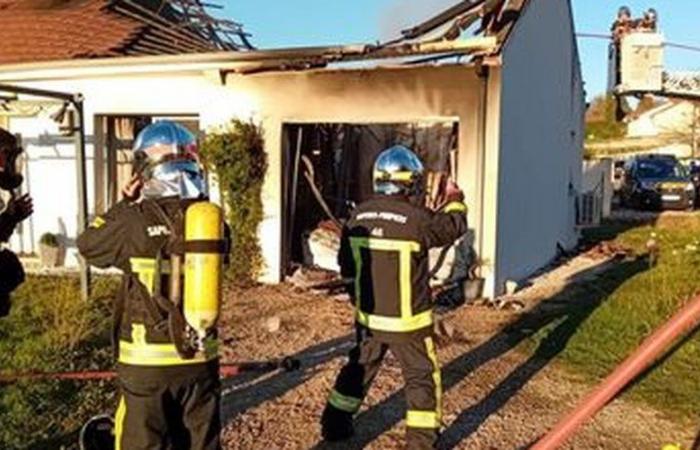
point(43, 30)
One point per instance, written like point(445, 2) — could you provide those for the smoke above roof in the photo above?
point(401, 14)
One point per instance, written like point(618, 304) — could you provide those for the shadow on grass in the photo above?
point(560, 312)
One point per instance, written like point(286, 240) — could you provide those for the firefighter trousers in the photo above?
point(168, 408)
point(423, 384)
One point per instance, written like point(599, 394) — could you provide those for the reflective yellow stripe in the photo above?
point(344, 402)
point(385, 244)
point(145, 269)
point(422, 419)
point(141, 354)
point(394, 176)
point(98, 222)
point(395, 324)
point(119, 424)
point(407, 321)
point(437, 376)
point(455, 207)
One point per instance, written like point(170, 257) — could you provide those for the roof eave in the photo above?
point(235, 61)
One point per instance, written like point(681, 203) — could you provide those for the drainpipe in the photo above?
point(482, 71)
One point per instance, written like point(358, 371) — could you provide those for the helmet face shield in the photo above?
point(181, 178)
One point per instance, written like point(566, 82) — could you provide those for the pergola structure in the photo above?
point(77, 130)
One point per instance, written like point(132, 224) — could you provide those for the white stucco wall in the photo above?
point(540, 137)
point(50, 178)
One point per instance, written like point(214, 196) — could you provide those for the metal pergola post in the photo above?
point(79, 135)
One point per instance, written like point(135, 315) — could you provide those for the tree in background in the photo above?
point(601, 119)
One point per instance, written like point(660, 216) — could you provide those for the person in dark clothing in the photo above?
point(18, 209)
point(168, 374)
point(384, 249)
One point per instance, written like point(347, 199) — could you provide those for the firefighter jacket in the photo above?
point(138, 238)
point(384, 248)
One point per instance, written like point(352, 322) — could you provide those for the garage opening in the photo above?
point(328, 170)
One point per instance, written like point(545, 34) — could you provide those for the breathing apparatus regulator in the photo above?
point(166, 159)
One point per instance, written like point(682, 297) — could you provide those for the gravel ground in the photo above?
point(497, 395)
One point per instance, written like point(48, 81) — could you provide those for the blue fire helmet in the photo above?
point(166, 158)
point(398, 171)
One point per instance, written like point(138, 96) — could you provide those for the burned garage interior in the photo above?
point(328, 170)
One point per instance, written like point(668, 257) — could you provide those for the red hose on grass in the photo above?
point(226, 370)
point(651, 349)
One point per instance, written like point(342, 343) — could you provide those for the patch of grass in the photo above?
point(51, 329)
point(630, 305)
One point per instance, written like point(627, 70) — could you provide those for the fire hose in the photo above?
point(682, 323)
point(226, 370)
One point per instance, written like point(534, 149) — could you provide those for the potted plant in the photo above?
point(51, 252)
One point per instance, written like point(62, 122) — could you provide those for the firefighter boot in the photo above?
point(336, 425)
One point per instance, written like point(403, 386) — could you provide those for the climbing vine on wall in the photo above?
point(235, 154)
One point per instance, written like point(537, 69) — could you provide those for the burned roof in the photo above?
point(471, 28)
point(45, 30)
point(488, 18)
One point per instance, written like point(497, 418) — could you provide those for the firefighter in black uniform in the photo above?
point(168, 371)
point(384, 249)
point(17, 209)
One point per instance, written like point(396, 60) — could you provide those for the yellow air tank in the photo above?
point(204, 247)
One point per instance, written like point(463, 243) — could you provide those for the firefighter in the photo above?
point(623, 25)
point(17, 209)
point(384, 249)
point(11, 268)
point(168, 368)
point(649, 22)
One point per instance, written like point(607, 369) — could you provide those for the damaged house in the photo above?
point(488, 92)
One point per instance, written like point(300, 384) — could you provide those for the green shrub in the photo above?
point(51, 329)
point(601, 123)
point(236, 155)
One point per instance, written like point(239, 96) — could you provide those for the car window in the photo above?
point(661, 169)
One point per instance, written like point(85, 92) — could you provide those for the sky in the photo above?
point(287, 23)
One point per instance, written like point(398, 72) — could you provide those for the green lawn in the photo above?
point(51, 329)
point(612, 314)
